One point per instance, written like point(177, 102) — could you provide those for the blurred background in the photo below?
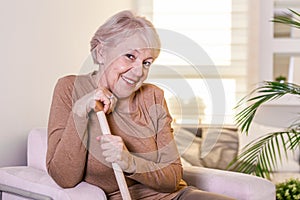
point(41, 41)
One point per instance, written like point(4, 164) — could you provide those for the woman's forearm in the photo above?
point(164, 177)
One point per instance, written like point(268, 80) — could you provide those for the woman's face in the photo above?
point(128, 66)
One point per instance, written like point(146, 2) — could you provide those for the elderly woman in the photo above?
point(141, 143)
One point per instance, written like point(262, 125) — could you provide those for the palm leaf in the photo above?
point(288, 19)
point(270, 90)
point(260, 157)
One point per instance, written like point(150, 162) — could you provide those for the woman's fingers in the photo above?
point(106, 98)
point(115, 151)
point(113, 102)
point(112, 147)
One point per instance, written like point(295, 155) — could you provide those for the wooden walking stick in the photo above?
point(117, 169)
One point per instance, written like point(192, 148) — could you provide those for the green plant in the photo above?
point(260, 156)
point(288, 190)
point(280, 79)
point(291, 19)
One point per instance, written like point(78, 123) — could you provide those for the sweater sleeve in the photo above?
point(66, 153)
point(165, 173)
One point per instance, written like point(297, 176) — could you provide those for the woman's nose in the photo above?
point(137, 69)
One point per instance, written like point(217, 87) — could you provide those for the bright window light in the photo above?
point(200, 20)
point(190, 101)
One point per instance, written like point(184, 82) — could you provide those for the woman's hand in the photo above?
point(106, 98)
point(115, 151)
point(88, 102)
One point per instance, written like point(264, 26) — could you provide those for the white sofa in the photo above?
point(33, 182)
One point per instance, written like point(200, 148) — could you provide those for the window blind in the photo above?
point(220, 28)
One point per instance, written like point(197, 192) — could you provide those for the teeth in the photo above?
point(129, 81)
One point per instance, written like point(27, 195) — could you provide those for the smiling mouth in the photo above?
point(131, 82)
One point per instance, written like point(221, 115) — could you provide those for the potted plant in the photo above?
point(260, 156)
point(289, 189)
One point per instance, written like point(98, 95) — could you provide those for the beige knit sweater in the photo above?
point(74, 154)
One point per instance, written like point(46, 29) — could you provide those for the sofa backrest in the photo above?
point(37, 148)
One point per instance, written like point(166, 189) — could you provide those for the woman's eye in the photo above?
point(147, 64)
point(130, 56)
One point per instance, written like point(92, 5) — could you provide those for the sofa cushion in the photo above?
point(215, 149)
point(188, 145)
point(219, 147)
point(36, 181)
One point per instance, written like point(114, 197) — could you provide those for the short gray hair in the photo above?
point(119, 27)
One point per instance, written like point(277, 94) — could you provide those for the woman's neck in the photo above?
point(123, 105)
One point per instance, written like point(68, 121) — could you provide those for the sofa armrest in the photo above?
point(37, 148)
point(30, 182)
point(233, 184)
point(21, 193)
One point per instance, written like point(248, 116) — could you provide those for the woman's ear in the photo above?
point(97, 55)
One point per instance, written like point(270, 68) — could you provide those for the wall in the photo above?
point(40, 41)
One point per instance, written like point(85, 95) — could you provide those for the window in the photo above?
point(201, 85)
